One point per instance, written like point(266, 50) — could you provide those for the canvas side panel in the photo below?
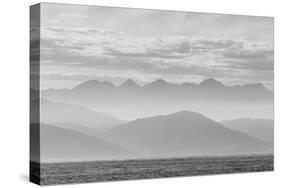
point(34, 94)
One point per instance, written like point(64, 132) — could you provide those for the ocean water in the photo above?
point(97, 171)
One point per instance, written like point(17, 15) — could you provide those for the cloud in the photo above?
point(148, 44)
point(153, 53)
point(103, 49)
point(250, 56)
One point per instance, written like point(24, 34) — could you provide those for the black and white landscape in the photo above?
point(132, 93)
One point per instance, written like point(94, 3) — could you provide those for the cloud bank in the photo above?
point(112, 50)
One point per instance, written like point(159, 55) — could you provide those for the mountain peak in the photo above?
point(93, 83)
point(211, 82)
point(129, 83)
point(181, 134)
point(186, 114)
point(158, 83)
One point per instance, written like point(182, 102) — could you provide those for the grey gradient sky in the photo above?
point(80, 43)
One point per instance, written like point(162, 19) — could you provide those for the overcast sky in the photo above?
point(80, 43)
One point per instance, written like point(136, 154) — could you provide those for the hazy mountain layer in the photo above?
point(62, 113)
point(182, 134)
point(259, 128)
point(187, 90)
point(58, 144)
point(176, 135)
point(82, 129)
point(131, 101)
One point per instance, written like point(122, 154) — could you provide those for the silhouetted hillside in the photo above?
point(184, 133)
point(58, 144)
point(63, 113)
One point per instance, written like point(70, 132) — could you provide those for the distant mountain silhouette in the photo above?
point(82, 129)
point(58, 144)
point(213, 88)
point(129, 100)
point(158, 84)
point(94, 85)
point(62, 113)
point(183, 134)
point(179, 134)
point(211, 83)
point(129, 84)
point(259, 128)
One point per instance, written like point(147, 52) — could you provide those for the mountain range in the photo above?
point(76, 127)
point(63, 113)
point(212, 86)
point(59, 144)
point(130, 101)
point(182, 134)
point(179, 134)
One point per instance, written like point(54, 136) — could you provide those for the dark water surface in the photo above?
point(81, 172)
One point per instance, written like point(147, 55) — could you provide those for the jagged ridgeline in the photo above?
point(130, 100)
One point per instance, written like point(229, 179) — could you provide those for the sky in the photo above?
point(80, 43)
